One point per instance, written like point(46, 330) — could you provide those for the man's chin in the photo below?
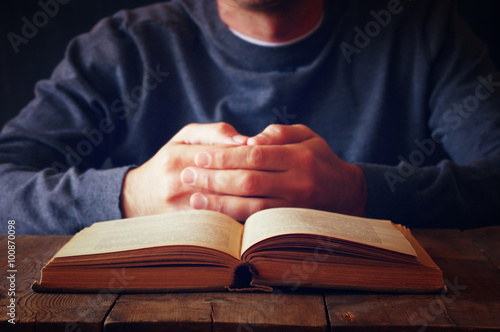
point(265, 5)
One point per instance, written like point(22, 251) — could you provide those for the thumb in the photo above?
point(280, 134)
point(209, 134)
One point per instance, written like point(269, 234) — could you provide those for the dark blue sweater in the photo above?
point(400, 88)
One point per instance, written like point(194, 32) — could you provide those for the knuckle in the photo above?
point(255, 157)
point(278, 131)
point(190, 127)
point(168, 161)
point(248, 184)
point(305, 130)
point(302, 127)
point(220, 157)
point(206, 180)
point(222, 128)
point(220, 181)
point(219, 204)
point(307, 158)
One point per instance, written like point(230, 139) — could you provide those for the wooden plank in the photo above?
point(472, 299)
point(218, 312)
point(48, 312)
point(488, 241)
point(277, 311)
point(384, 312)
point(161, 312)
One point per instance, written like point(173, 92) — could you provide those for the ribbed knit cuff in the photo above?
point(99, 195)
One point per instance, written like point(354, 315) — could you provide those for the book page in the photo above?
point(194, 227)
point(274, 222)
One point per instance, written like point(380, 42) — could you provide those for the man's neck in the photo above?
point(279, 23)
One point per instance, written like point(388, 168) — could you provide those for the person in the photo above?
point(385, 109)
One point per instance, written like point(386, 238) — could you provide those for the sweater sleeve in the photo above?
point(462, 191)
point(55, 167)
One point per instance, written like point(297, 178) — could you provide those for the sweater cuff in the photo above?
point(100, 194)
point(387, 198)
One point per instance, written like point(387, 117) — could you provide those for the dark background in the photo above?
point(36, 59)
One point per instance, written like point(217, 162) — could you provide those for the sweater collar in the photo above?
point(224, 44)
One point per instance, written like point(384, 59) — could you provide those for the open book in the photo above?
point(205, 250)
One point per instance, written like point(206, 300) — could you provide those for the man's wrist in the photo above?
point(126, 204)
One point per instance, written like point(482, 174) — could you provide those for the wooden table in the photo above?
point(470, 261)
